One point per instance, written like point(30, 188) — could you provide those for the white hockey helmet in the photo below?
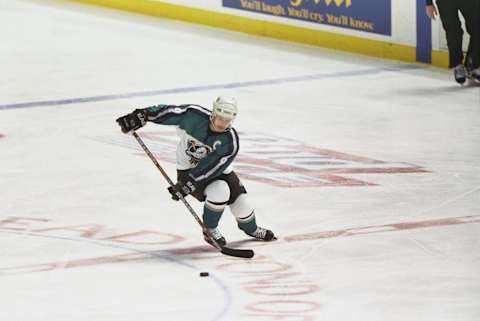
point(225, 107)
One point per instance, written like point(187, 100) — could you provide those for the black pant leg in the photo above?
point(470, 10)
point(448, 10)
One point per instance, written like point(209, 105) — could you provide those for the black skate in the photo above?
point(475, 75)
point(460, 74)
point(262, 234)
point(216, 235)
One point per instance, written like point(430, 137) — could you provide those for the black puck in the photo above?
point(204, 274)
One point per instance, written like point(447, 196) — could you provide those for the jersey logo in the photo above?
point(197, 151)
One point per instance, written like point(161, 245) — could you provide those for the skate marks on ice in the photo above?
point(438, 91)
point(151, 244)
point(272, 286)
point(279, 161)
point(259, 282)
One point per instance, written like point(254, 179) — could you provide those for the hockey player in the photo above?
point(208, 145)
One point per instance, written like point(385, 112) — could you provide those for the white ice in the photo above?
point(368, 171)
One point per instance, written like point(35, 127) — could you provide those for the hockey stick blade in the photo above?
point(247, 254)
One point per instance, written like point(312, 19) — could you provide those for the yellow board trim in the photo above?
point(440, 58)
point(274, 30)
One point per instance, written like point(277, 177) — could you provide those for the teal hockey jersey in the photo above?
point(206, 154)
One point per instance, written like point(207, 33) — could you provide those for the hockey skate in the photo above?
point(475, 75)
point(262, 234)
point(216, 235)
point(460, 74)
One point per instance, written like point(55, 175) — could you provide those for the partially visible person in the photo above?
point(448, 11)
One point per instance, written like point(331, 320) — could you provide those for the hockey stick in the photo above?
point(223, 249)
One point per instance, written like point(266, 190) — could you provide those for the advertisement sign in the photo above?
point(370, 16)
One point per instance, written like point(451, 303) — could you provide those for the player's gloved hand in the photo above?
point(132, 121)
point(182, 188)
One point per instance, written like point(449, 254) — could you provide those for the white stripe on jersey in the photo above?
point(179, 110)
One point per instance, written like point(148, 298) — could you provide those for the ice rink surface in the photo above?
point(367, 170)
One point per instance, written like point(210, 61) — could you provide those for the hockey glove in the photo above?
point(132, 121)
point(183, 188)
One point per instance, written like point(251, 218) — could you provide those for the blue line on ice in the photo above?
point(253, 83)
